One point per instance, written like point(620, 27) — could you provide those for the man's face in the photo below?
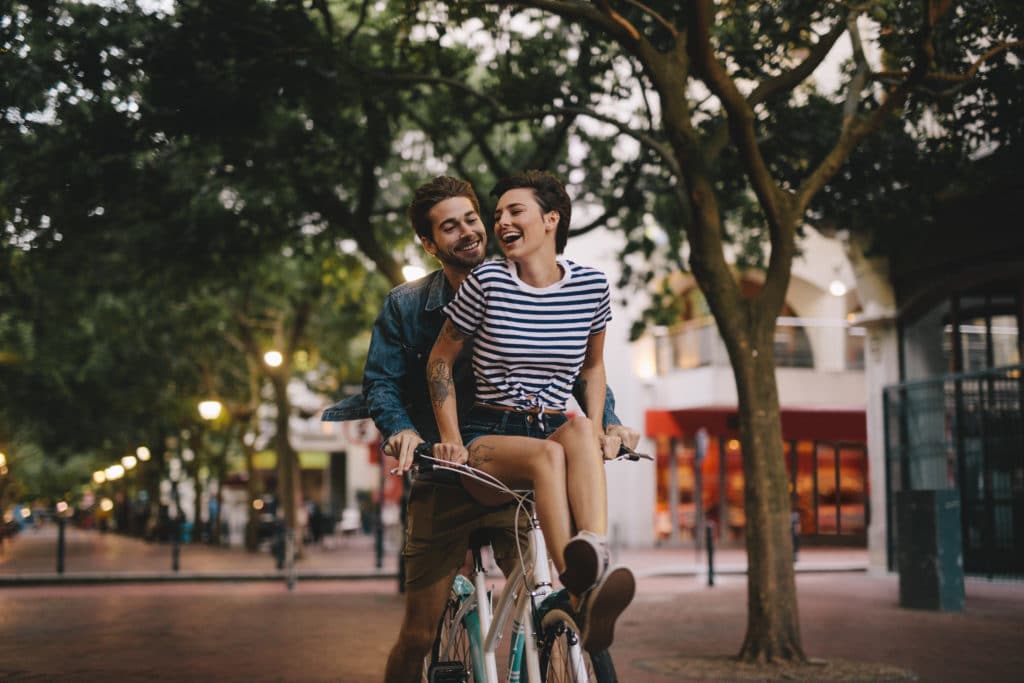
point(459, 237)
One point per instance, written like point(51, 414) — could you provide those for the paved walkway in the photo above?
point(341, 630)
point(94, 557)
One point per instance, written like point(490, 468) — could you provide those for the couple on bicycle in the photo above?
point(481, 358)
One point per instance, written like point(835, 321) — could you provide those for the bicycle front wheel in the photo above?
point(563, 659)
point(451, 659)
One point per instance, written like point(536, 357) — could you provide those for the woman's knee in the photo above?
point(580, 426)
point(550, 457)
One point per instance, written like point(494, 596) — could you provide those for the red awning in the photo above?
point(822, 424)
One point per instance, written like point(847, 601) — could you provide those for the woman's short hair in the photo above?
point(550, 194)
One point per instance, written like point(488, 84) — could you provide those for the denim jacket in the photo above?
point(395, 390)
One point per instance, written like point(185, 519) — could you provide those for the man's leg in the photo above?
point(423, 609)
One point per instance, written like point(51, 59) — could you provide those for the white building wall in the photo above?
point(631, 369)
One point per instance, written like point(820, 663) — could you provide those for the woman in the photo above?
point(537, 321)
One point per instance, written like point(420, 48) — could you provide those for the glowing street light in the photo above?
point(411, 272)
point(106, 505)
point(99, 476)
point(210, 410)
point(3, 459)
point(142, 453)
point(114, 472)
point(273, 359)
point(837, 288)
point(129, 461)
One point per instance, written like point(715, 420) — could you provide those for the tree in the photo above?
point(728, 77)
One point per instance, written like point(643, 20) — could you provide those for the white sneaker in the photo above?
point(586, 560)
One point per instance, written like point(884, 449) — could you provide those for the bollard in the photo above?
point(175, 544)
point(289, 551)
point(709, 537)
point(60, 544)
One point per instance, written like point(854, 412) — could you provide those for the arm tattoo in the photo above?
point(439, 382)
point(480, 454)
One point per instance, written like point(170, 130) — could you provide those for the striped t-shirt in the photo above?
point(529, 343)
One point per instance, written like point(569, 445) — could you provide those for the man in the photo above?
point(446, 216)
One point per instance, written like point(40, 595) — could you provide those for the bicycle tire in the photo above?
point(451, 646)
point(556, 667)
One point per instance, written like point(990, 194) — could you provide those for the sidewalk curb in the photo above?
point(742, 571)
point(53, 579)
point(86, 579)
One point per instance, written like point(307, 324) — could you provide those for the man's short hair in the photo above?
point(550, 194)
point(429, 195)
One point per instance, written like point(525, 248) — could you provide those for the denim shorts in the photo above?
point(484, 421)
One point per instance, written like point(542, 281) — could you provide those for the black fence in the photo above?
point(966, 433)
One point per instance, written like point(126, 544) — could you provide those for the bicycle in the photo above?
point(545, 643)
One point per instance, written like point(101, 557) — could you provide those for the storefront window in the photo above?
point(968, 332)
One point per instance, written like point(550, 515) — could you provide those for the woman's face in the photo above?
point(520, 224)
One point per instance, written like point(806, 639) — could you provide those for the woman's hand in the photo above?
point(451, 452)
point(614, 437)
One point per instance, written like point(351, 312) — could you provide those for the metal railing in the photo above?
point(963, 432)
point(696, 343)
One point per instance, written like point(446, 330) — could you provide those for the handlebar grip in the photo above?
point(627, 452)
point(420, 456)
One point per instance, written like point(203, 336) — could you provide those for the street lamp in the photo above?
point(210, 410)
point(114, 472)
point(142, 453)
point(129, 461)
point(3, 459)
point(273, 359)
point(412, 272)
point(99, 476)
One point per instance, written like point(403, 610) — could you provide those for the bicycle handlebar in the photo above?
point(422, 456)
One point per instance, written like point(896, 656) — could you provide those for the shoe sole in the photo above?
point(608, 601)
point(581, 562)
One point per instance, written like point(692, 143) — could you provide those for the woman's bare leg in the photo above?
point(524, 462)
point(588, 497)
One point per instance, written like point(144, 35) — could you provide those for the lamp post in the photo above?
point(174, 474)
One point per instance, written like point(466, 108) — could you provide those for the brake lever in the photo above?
point(631, 454)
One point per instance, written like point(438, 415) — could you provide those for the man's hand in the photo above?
point(614, 437)
point(451, 452)
point(401, 446)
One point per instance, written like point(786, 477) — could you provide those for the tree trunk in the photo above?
point(252, 541)
point(221, 466)
point(288, 484)
point(773, 625)
point(196, 444)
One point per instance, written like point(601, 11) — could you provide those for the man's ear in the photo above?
point(428, 245)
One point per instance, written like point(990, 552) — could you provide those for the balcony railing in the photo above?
point(799, 343)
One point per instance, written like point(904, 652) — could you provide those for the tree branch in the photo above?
point(663, 151)
point(855, 130)
point(788, 80)
point(960, 79)
point(657, 17)
point(740, 116)
point(611, 22)
point(863, 69)
point(607, 10)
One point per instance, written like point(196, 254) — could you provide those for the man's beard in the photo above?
point(463, 260)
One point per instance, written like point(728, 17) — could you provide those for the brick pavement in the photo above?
point(340, 631)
